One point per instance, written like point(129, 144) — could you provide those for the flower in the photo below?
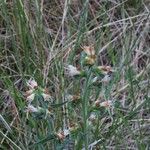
point(97, 103)
point(28, 93)
point(106, 104)
point(66, 132)
point(30, 97)
point(105, 69)
point(32, 84)
point(62, 134)
point(89, 50)
point(90, 58)
point(31, 108)
point(106, 78)
point(46, 91)
point(92, 117)
point(46, 96)
point(73, 98)
point(73, 71)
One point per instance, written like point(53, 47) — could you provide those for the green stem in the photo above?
point(85, 99)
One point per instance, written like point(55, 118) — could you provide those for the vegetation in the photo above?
point(74, 74)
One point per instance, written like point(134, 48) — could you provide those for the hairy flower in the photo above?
point(28, 93)
point(106, 104)
point(30, 97)
point(97, 103)
point(105, 69)
point(62, 134)
point(31, 108)
point(46, 96)
point(89, 50)
point(92, 117)
point(91, 57)
point(73, 71)
point(46, 91)
point(66, 132)
point(32, 84)
point(73, 98)
point(106, 79)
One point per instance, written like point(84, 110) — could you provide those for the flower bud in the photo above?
point(89, 60)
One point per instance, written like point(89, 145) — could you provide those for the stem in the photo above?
point(85, 100)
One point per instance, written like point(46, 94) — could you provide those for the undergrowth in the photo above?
point(74, 74)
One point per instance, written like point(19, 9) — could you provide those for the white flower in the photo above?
point(73, 71)
point(32, 84)
point(69, 97)
point(92, 117)
point(31, 97)
point(31, 108)
point(106, 104)
point(46, 96)
point(106, 79)
point(66, 132)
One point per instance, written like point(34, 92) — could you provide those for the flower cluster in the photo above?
point(62, 134)
point(36, 91)
point(106, 104)
point(103, 73)
point(81, 104)
point(91, 57)
point(90, 75)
